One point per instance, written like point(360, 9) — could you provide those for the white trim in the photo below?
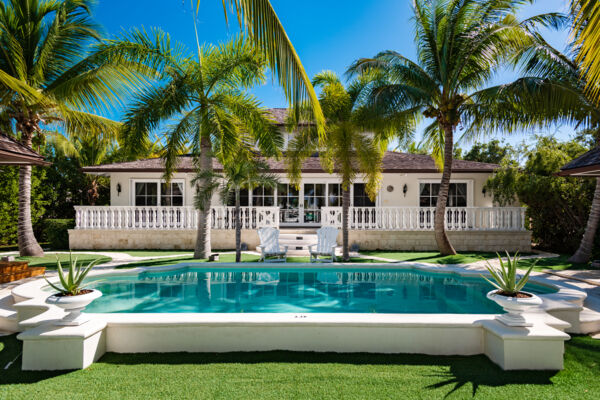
point(133, 181)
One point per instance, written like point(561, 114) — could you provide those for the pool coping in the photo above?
point(539, 346)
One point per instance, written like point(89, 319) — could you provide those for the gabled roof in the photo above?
point(392, 162)
point(587, 164)
point(14, 153)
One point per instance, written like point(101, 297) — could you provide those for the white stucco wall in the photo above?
point(475, 183)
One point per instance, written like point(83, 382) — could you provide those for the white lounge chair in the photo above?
point(326, 245)
point(269, 245)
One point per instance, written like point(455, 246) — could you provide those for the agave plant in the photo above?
point(72, 279)
point(505, 277)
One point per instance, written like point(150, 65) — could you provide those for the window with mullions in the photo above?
point(334, 195)
point(457, 194)
point(263, 196)
point(171, 194)
point(146, 193)
point(243, 198)
point(361, 199)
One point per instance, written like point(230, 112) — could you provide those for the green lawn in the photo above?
point(49, 260)
point(432, 256)
point(287, 375)
point(152, 253)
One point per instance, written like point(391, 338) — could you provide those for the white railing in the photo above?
point(422, 218)
point(148, 217)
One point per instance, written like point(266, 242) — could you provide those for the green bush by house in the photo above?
point(56, 232)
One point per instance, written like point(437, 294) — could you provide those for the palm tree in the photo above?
point(205, 103)
point(552, 90)
point(346, 148)
point(460, 44)
point(247, 172)
point(49, 76)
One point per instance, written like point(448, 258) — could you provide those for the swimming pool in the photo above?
point(319, 290)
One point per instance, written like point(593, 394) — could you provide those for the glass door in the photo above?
point(314, 199)
point(288, 201)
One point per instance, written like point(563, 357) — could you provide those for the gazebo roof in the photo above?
point(587, 164)
point(14, 153)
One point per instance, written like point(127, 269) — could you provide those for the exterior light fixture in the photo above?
point(405, 189)
point(484, 190)
point(118, 189)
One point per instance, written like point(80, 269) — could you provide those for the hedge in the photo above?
point(56, 232)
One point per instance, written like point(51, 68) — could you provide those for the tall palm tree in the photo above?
point(205, 103)
point(551, 90)
point(247, 172)
point(51, 76)
point(460, 44)
point(347, 148)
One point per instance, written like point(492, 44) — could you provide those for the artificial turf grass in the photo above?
point(278, 374)
point(49, 260)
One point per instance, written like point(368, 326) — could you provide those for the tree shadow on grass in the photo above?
point(462, 370)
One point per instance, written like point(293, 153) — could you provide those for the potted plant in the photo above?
point(507, 292)
point(71, 297)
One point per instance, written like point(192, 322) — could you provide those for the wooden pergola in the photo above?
point(586, 165)
point(14, 153)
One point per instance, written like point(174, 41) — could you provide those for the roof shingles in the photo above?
point(392, 162)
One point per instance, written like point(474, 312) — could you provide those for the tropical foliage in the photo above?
point(557, 207)
point(246, 173)
point(70, 282)
point(52, 75)
point(346, 149)
point(204, 102)
point(460, 45)
point(505, 277)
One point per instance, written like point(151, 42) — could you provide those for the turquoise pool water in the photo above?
point(322, 290)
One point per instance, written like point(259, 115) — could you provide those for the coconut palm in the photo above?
point(247, 172)
point(203, 101)
point(347, 148)
point(50, 76)
point(552, 89)
point(460, 44)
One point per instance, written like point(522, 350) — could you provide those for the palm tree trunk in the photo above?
point(443, 243)
point(345, 211)
point(583, 253)
point(238, 228)
point(28, 245)
point(203, 249)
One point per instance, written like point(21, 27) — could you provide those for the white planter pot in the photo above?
point(73, 305)
point(515, 308)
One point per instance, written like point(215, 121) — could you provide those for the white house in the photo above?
point(146, 212)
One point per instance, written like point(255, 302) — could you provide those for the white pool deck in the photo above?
point(540, 346)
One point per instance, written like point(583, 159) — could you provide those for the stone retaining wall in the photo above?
point(98, 239)
point(425, 241)
point(104, 239)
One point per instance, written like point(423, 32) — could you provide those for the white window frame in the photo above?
point(158, 182)
point(469, 182)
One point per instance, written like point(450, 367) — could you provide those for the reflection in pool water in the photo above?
point(307, 290)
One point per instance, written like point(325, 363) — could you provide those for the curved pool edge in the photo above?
point(538, 347)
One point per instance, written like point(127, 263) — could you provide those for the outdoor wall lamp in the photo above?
point(118, 189)
point(484, 190)
point(405, 189)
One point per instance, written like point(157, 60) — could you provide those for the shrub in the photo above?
point(56, 232)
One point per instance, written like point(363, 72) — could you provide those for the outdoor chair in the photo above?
point(270, 250)
point(326, 245)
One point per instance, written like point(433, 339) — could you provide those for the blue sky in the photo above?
point(327, 34)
